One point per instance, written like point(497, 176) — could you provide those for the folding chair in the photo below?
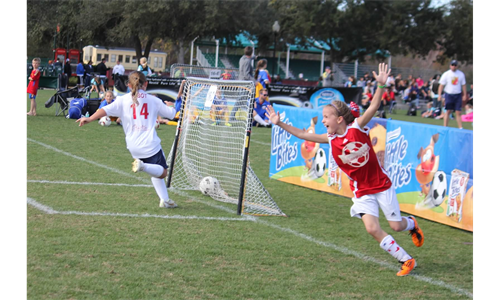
point(63, 98)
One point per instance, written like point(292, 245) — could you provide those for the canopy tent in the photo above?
point(245, 39)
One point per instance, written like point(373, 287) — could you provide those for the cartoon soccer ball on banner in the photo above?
point(438, 188)
point(319, 163)
point(209, 185)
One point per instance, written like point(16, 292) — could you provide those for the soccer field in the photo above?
point(95, 231)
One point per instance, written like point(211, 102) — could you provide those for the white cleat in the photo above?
point(137, 165)
point(167, 204)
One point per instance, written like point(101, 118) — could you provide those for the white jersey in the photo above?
point(139, 121)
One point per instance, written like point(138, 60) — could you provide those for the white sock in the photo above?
point(260, 121)
point(153, 170)
point(410, 224)
point(160, 188)
point(391, 247)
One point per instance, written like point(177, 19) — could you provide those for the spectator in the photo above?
point(301, 76)
point(58, 65)
point(179, 73)
point(160, 74)
point(328, 77)
point(468, 108)
point(470, 96)
point(320, 82)
point(402, 85)
point(226, 75)
point(361, 83)
point(261, 74)
point(397, 80)
point(144, 68)
point(89, 73)
point(390, 81)
point(109, 98)
point(414, 94)
point(67, 68)
point(429, 112)
point(80, 72)
point(102, 69)
point(97, 85)
point(453, 84)
point(388, 96)
point(433, 90)
point(33, 85)
point(118, 69)
point(420, 82)
point(351, 82)
point(245, 72)
point(259, 111)
point(246, 69)
point(278, 80)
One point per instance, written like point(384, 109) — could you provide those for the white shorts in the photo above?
point(370, 204)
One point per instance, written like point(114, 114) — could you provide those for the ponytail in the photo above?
point(136, 80)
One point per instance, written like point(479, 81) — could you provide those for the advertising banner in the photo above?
point(430, 166)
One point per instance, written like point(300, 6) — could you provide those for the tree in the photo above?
point(457, 40)
point(353, 29)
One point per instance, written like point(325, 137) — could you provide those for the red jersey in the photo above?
point(353, 153)
point(34, 82)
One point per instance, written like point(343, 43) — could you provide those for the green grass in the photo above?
point(317, 252)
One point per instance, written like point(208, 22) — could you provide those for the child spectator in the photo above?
point(429, 112)
point(33, 85)
point(109, 98)
point(97, 84)
point(144, 68)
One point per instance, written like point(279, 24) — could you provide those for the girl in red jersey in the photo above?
point(353, 152)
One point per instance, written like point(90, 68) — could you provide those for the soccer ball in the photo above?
point(157, 124)
point(438, 189)
point(209, 185)
point(105, 121)
point(319, 163)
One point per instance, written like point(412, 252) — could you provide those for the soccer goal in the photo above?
point(213, 139)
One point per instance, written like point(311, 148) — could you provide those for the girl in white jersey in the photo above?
point(353, 152)
point(138, 112)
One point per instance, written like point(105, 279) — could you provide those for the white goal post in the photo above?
point(213, 139)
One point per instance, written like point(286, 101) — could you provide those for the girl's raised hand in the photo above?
point(383, 74)
point(273, 116)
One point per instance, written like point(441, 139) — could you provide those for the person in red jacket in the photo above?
point(33, 85)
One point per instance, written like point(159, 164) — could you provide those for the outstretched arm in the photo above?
point(301, 134)
point(96, 116)
point(381, 78)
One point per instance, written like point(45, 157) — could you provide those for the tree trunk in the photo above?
point(138, 48)
point(180, 52)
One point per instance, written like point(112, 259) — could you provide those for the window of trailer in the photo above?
point(127, 58)
point(120, 58)
point(113, 57)
point(134, 59)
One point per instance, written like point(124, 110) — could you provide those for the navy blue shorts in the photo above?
point(453, 102)
point(157, 159)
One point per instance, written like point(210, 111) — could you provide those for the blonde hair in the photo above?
point(143, 60)
point(342, 110)
point(136, 80)
point(109, 92)
point(37, 59)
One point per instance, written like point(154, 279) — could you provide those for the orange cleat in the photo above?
point(417, 235)
point(407, 267)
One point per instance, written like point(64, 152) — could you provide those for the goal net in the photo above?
point(212, 139)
